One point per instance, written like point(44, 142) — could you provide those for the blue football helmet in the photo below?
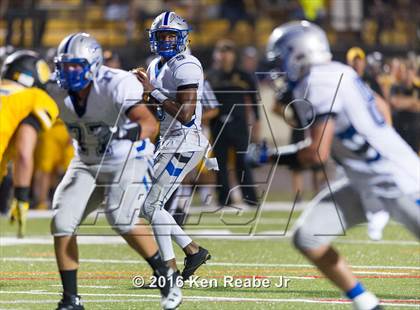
point(295, 46)
point(79, 57)
point(169, 22)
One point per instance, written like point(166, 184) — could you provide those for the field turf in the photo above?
point(390, 268)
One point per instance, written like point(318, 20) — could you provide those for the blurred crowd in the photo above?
point(392, 23)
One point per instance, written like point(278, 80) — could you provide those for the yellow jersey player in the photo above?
point(53, 154)
point(25, 110)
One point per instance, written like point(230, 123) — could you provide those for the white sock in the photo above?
point(162, 223)
point(365, 301)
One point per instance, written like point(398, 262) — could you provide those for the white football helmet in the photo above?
point(295, 46)
point(77, 49)
point(171, 22)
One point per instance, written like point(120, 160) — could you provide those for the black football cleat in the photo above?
point(70, 302)
point(378, 307)
point(193, 262)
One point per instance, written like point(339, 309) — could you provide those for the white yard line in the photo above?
point(215, 234)
point(382, 273)
point(152, 297)
point(210, 263)
point(88, 286)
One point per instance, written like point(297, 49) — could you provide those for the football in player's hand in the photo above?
point(139, 71)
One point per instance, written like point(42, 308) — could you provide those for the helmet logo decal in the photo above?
point(43, 71)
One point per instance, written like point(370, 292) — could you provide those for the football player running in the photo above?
point(99, 101)
point(25, 110)
point(174, 83)
point(381, 169)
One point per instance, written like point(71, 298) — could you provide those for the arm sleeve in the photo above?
point(188, 75)
point(127, 93)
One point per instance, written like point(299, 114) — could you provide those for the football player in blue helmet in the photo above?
point(168, 35)
point(344, 121)
point(79, 57)
point(112, 130)
point(174, 83)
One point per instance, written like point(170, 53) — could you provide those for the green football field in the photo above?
point(390, 268)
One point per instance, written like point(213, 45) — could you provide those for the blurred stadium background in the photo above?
point(387, 31)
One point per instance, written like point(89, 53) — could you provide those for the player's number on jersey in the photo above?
point(95, 131)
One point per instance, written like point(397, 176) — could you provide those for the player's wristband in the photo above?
point(157, 95)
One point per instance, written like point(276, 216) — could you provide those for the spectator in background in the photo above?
point(405, 100)
point(250, 60)
point(356, 58)
point(234, 90)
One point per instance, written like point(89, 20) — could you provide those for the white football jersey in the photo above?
point(112, 93)
point(372, 153)
point(180, 72)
